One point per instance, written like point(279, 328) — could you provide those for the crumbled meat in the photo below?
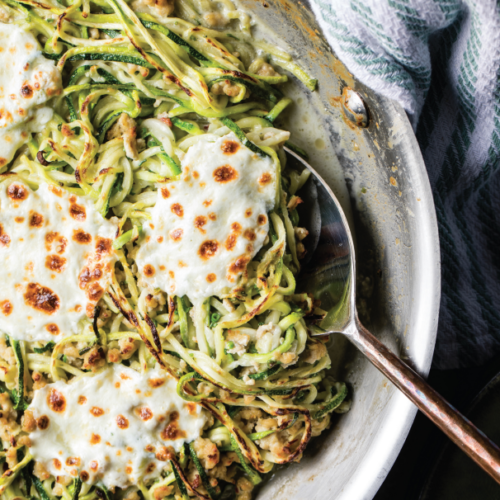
point(28, 421)
point(209, 419)
point(94, 359)
point(132, 495)
point(300, 233)
point(267, 337)
point(224, 473)
point(265, 424)
point(6, 352)
point(260, 67)
point(240, 341)
point(11, 457)
point(279, 443)
point(60, 482)
point(24, 441)
point(314, 352)
point(41, 472)
point(8, 424)
point(163, 491)
point(71, 352)
point(207, 453)
point(39, 381)
point(301, 250)
point(247, 418)
point(127, 347)
point(244, 489)
point(159, 8)
point(204, 388)
point(126, 128)
point(318, 426)
point(286, 358)
point(227, 87)
point(267, 70)
point(114, 356)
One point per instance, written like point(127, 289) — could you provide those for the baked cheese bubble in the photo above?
point(57, 257)
point(116, 427)
point(207, 226)
point(27, 81)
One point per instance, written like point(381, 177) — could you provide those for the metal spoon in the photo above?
point(329, 273)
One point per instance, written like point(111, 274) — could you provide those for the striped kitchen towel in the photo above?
point(441, 60)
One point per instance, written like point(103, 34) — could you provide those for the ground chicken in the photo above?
point(127, 347)
point(204, 388)
point(223, 473)
point(260, 67)
point(163, 491)
point(207, 453)
point(58, 486)
point(229, 458)
point(28, 422)
point(41, 472)
point(11, 457)
point(318, 426)
point(71, 352)
point(24, 441)
point(244, 489)
point(247, 418)
point(126, 128)
point(209, 419)
point(194, 478)
point(300, 233)
point(114, 356)
point(240, 341)
point(6, 352)
point(267, 70)
point(301, 250)
point(94, 359)
point(279, 443)
point(159, 8)
point(286, 358)
point(267, 337)
point(314, 352)
point(132, 495)
point(227, 87)
point(39, 381)
point(265, 424)
point(8, 425)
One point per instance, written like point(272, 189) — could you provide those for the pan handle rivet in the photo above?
point(354, 108)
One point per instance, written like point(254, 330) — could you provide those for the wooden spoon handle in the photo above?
point(458, 428)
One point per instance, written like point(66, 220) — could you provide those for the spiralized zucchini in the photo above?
point(142, 84)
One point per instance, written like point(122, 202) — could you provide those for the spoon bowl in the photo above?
point(329, 275)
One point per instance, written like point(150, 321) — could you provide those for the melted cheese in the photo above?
point(207, 226)
point(115, 427)
point(56, 254)
point(27, 80)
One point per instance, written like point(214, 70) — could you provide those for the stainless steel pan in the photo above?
point(379, 177)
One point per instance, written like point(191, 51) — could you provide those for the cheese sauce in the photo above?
point(207, 226)
point(56, 253)
point(115, 427)
point(27, 80)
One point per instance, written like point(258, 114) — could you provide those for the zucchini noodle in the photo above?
point(142, 83)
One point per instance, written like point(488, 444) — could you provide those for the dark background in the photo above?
point(425, 442)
